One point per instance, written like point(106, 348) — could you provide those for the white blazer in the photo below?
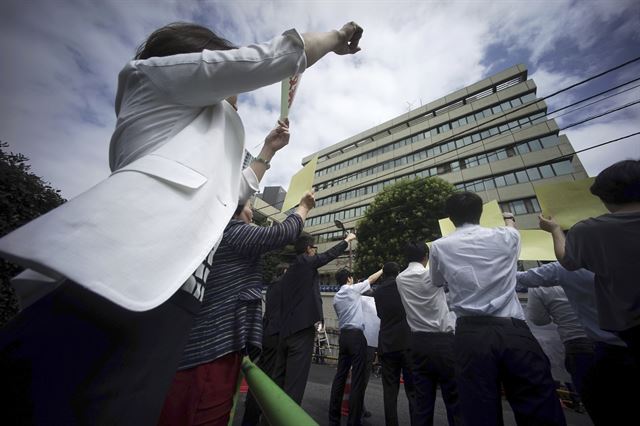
point(176, 157)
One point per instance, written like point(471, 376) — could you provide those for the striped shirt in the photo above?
point(231, 312)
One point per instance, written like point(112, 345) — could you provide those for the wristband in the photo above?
point(259, 159)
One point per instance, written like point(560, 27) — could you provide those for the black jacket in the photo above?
point(394, 330)
point(301, 303)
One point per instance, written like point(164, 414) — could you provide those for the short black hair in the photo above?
point(464, 207)
point(618, 183)
point(304, 240)
point(390, 269)
point(181, 37)
point(416, 251)
point(343, 275)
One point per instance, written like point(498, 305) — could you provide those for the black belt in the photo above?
point(486, 320)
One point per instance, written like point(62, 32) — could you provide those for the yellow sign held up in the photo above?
point(569, 202)
point(536, 245)
point(491, 218)
point(300, 183)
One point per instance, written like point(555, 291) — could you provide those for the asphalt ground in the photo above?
point(316, 403)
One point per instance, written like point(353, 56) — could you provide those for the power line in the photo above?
point(465, 150)
point(556, 158)
point(501, 116)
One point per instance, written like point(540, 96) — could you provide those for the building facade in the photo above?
point(273, 195)
point(492, 138)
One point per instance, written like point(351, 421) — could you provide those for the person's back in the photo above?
point(394, 330)
point(493, 344)
point(608, 246)
point(301, 310)
point(352, 355)
point(479, 265)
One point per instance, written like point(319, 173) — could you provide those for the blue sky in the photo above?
point(61, 60)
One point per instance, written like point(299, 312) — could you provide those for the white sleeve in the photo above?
point(363, 286)
point(537, 312)
point(437, 278)
point(249, 185)
point(206, 78)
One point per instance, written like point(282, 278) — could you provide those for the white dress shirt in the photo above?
point(546, 305)
point(176, 156)
point(479, 266)
point(371, 321)
point(579, 287)
point(348, 305)
point(425, 305)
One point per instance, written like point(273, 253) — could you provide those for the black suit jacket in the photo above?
point(301, 303)
point(394, 330)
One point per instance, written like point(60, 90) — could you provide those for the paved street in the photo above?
point(316, 403)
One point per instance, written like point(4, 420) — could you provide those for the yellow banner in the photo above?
point(536, 245)
point(569, 202)
point(300, 183)
point(491, 218)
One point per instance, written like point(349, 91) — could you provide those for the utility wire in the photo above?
point(476, 127)
point(556, 158)
point(511, 111)
point(463, 151)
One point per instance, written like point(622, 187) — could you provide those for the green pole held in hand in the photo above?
point(278, 408)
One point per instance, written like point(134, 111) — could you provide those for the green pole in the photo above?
point(235, 399)
point(277, 407)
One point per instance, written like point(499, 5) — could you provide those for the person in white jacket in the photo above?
point(102, 346)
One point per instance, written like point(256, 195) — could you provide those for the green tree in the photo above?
point(406, 210)
point(23, 197)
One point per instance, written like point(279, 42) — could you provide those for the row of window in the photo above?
point(517, 207)
point(432, 171)
point(340, 215)
point(434, 113)
point(468, 119)
point(526, 175)
point(523, 206)
point(534, 145)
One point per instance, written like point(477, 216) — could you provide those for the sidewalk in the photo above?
point(316, 403)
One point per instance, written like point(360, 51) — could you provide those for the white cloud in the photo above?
point(59, 85)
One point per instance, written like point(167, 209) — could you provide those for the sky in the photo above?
point(61, 58)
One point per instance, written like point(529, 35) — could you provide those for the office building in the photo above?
point(492, 137)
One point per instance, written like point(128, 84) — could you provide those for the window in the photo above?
point(444, 168)
point(522, 176)
point(500, 181)
point(546, 171)
point(523, 148)
point(549, 141)
point(518, 207)
point(563, 167)
point(535, 145)
point(533, 173)
point(510, 179)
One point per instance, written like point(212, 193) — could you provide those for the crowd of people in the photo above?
point(120, 329)
point(452, 317)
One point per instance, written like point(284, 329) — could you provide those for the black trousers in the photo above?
point(74, 357)
point(490, 351)
point(352, 355)
point(394, 363)
point(609, 387)
point(432, 363)
point(266, 363)
point(293, 362)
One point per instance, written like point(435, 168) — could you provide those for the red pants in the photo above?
point(202, 395)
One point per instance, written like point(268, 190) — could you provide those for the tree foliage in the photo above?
point(23, 197)
point(407, 210)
